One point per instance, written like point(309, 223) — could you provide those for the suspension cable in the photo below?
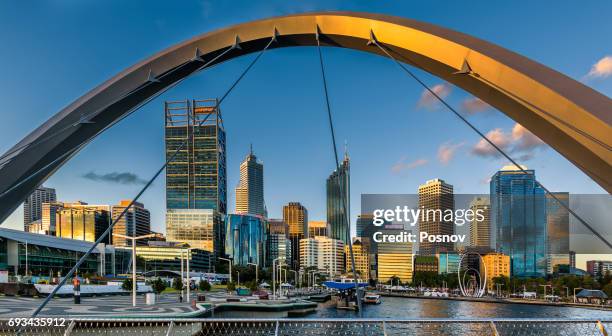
point(130, 112)
point(342, 196)
point(147, 185)
point(386, 50)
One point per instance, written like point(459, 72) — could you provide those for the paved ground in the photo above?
point(101, 306)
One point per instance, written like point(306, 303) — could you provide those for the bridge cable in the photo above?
point(130, 112)
point(147, 185)
point(344, 199)
point(385, 49)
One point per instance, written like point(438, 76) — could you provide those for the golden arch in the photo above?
point(569, 116)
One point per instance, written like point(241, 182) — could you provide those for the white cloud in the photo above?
point(519, 141)
point(601, 69)
point(474, 105)
point(446, 151)
point(429, 101)
point(402, 165)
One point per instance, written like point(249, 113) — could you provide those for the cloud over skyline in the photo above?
point(402, 165)
point(518, 141)
point(602, 68)
point(125, 178)
point(429, 101)
point(447, 151)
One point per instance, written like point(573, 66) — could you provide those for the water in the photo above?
point(405, 308)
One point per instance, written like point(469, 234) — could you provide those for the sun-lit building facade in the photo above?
point(495, 264)
point(82, 221)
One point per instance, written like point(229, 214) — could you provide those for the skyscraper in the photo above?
point(32, 206)
point(394, 260)
point(361, 251)
point(364, 222)
point(338, 201)
point(480, 230)
point(324, 253)
point(279, 244)
point(196, 191)
point(435, 196)
point(296, 217)
point(250, 190)
point(245, 239)
point(557, 230)
point(135, 222)
point(518, 213)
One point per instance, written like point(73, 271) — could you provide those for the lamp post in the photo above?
point(566, 292)
point(274, 275)
point(230, 267)
point(134, 239)
point(296, 276)
point(256, 272)
point(575, 293)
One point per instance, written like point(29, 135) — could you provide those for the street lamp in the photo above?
point(134, 239)
point(230, 267)
point(575, 293)
point(274, 275)
point(256, 272)
point(566, 292)
point(296, 276)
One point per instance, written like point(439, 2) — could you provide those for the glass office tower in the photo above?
point(338, 196)
point(245, 239)
point(196, 178)
point(196, 184)
point(518, 214)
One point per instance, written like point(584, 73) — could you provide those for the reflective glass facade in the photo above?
point(81, 221)
point(518, 214)
point(245, 239)
point(196, 178)
point(200, 228)
point(338, 196)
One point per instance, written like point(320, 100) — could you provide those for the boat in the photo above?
point(372, 299)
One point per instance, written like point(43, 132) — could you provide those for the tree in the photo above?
point(158, 285)
point(231, 286)
point(127, 284)
point(252, 285)
point(204, 285)
point(178, 284)
point(394, 280)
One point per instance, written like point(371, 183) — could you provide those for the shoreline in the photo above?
point(502, 301)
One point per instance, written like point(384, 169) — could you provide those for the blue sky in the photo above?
point(53, 52)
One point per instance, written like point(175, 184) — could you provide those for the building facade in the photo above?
point(245, 239)
point(426, 264)
point(135, 222)
point(82, 221)
point(32, 206)
point(394, 260)
point(296, 217)
point(199, 228)
point(448, 262)
point(324, 253)
point(495, 265)
point(196, 178)
point(361, 252)
point(518, 212)
point(557, 231)
point(598, 268)
point(250, 190)
point(317, 228)
point(364, 223)
point(339, 202)
point(158, 256)
point(480, 230)
point(435, 196)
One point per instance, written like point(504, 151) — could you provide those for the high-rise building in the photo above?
point(164, 256)
point(339, 201)
point(598, 268)
point(426, 263)
point(250, 190)
point(32, 206)
point(196, 187)
point(495, 265)
point(296, 216)
point(245, 239)
point(46, 224)
point(82, 221)
point(196, 178)
point(361, 251)
point(279, 244)
point(557, 231)
point(200, 228)
point(394, 260)
point(327, 254)
point(480, 230)
point(435, 197)
point(518, 212)
point(135, 222)
point(317, 228)
point(364, 222)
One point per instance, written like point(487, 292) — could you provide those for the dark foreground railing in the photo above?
point(273, 327)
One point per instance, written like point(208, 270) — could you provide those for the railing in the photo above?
point(278, 327)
